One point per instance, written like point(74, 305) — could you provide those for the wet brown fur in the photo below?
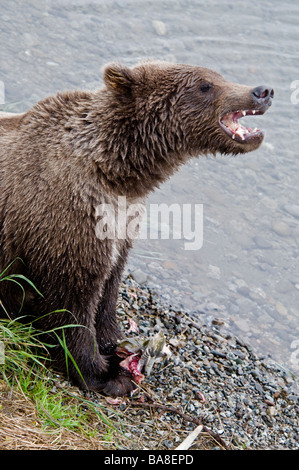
point(75, 150)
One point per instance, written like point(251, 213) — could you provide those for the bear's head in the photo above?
point(186, 109)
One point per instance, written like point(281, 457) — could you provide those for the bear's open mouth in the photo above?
point(230, 124)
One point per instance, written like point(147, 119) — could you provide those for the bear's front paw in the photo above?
point(119, 386)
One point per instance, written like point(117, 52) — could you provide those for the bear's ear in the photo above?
point(119, 78)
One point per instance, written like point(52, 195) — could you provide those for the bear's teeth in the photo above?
point(240, 134)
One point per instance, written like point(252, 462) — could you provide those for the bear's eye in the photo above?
point(205, 87)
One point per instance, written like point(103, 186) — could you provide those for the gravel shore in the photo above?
point(212, 378)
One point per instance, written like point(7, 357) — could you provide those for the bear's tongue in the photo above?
point(234, 128)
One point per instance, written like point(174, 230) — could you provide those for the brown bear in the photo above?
point(77, 150)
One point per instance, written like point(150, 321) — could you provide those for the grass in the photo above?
point(59, 416)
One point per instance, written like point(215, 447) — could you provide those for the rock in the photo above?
point(51, 63)
point(262, 243)
point(214, 272)
point(139, 276)
point(283, 286)
point(281, 309)
point(292, 209)
point(197, 295)
point(242, 324)
point(218, 321)
point(243, 290)
point(243, 240)
point(257, 294)
point(160, 27)
point(281, 228)
point(168, 444)
point(259, 388)
point(170, 265)
point(271, 411)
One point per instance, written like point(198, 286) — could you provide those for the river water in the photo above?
point(246, 272)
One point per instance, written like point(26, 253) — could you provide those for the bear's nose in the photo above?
point(263, 94)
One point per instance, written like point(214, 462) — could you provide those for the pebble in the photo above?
point(214, 272)
point(262, 242)
point(292, 209)
point(160, 27)
point(242, 325)
point(282, 310)
point(139, 276)
point(281, 228)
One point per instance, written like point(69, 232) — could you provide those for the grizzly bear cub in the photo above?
point(77, 150)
